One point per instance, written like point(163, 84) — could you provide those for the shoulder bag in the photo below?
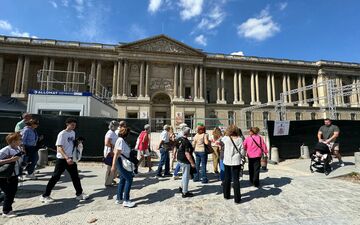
point(207, 148)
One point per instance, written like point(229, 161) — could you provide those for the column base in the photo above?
point(315, 105)
point(255, 103)
point(142, 98)
point(18, 95)
point(199, 100)
point(122, 97)
point(179, 99)
point(220, 102)
point(352, 106)
point(238, 102)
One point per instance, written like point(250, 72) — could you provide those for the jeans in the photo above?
point(126, 179)
point(31, 158)
point(164, 160)
point(222, 170)
point(185, 177)
point(60, 166)
point(201, 157)
point(232, 173)
point(177, 169)
point(9, 186)
point(254, 170)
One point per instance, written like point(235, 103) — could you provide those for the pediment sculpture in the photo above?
point(161, 84)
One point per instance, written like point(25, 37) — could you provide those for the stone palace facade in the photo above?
point(159, 77)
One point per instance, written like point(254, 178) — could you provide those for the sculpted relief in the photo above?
point(161, 84)
point(161, 46)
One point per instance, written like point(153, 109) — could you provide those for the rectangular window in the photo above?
point(231, 117)
point(133, 90)
point(189, 120)
point(188, 93)
point(313, 116)
point(297, 116)
point(208, 95)
point(337, 116)
point(132, 115)
point(353, 116)
point(248, 120)
point(265, 118)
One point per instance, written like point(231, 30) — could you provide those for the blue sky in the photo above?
point(292, 29)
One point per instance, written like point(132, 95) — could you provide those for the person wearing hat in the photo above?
point(109, 143)
point(164, 147)
point(143, 145)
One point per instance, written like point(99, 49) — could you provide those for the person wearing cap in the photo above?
point(164, 147)
point(21, 124)
point(179, 135)
point(109, 143)
point(143, 145)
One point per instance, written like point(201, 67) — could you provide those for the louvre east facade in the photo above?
point(159, 77)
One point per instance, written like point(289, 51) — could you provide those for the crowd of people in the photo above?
point(190, 152)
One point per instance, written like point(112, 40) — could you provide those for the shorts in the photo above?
point(335, 147)
point(143, 153)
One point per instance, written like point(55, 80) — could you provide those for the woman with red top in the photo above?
point(143, 145)
point(255, 146)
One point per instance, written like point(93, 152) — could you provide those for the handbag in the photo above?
point(7, 170)
point(208, 149)
point(108, 160)
point(127, 164)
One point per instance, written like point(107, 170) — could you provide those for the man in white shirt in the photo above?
point(164, 147)
point(64, 161)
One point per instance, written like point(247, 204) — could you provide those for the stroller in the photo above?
point(321, 158)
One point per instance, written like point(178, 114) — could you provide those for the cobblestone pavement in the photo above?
point(289, 194)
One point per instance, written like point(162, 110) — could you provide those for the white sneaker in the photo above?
point(82, 197)
point(117, 202)
point(46, 199)
point(10, 214)
point(342, 164)
point(31, 176)
point(128, 204)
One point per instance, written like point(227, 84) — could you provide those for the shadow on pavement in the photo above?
point(159, 196)
point(33, 190)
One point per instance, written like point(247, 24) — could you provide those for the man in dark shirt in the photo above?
point(329, 134)
point(186, 160)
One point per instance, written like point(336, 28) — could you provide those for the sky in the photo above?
point(288, 29)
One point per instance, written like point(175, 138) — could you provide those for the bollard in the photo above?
point(357, 161)
point(306, 152)
point(275, 154)
point(43, 157)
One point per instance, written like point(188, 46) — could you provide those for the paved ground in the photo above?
point(290, 194)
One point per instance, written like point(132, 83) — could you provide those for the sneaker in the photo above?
point(31, 176)
point(10, 214)
point(180, 189)
point(159, 175)
point(128, 204)
point(341, 164)
point(176, 177)
point(168, 175)
point(46, 199)
point(82, 197)
point(187, 195)
point(117, 202)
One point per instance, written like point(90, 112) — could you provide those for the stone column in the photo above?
point(257, 88)
point(147, 81)
point(114, 80)
point(217, 85)
point(273, 87)
point(142, 67)
point(175, 81)
point(268, 86)
point(181, 74)
point(201, 84)
point(304, 93)
point(125, 78)
point(342, 96)
point(44, 73)
point(76, 75)
point(1, 71)
point(196, 83)
point(98, 90)
point(322, 92)
point(18, 76)
point(93, 76)
point(299, 82)
point(289, 87)
point(241, 101)
point(25, 76)
point(358, 90)
point(50, 76)
point(236, 89)
point(69, 75)
point(284, 87)
point(252, 88)
point(119, 79)
point(354, 96)
point(222, 86)
point(315, 94)
point(205, 86)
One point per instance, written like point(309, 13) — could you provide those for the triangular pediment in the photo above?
point(161, 44)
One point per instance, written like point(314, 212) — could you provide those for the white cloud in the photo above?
point(213, 19)
point(53, 4)
point(259, 28)
point(240, 53)
point(79, 7)
point(5, 25)
point(65, 3)
point(190, 8)
point(283, 6)
point(201, 40)
point(154, 5)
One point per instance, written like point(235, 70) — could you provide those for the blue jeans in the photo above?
point(177, 169)
point(126, 179)
point(222, 170)
point(31, 158)
point(164, 160)
point(201, 157)
point(185, 177)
